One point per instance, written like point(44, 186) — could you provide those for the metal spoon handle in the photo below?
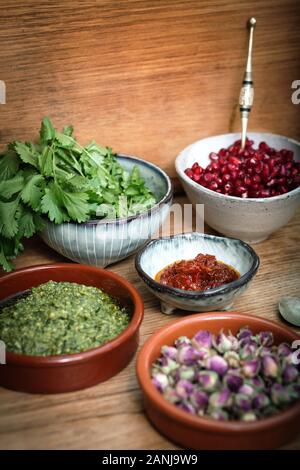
point(247, 90)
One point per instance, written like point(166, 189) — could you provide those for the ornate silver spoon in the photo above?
point(247, 90)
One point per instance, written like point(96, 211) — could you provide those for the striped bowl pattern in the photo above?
point(103, 242)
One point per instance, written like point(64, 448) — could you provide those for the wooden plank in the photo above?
point(146, 77)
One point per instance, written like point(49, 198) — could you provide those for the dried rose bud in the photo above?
point(261, 400)
point(221, 399)
point(185, 406)
point(246, 389)
point(217, 364)
point(184, 388)
point(187, 355)
point(251, 367)
point(182, 341)
point(169, 351)
point(263, 351)
point(185, 373)
point(248, 351)
point(202, 339)
point(168, 365)
point(220, 415)
point(256, 383)
point(208, 380)
point(204, 353)
point(198, 399)
point(250, 341)
point(223, 343)
point(281, 395)
point(232, 358)
point(284, 349)
point(244, 332)
point(233, 382)
point(243, 402)
point(249, 416)
point(160, 381)
point(266, 338)
point(171, 395)
point(289, 373)
point(270, 366)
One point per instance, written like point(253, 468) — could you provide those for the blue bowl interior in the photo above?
point(162, 252)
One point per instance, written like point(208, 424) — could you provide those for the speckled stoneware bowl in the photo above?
point(251, 220)
point(158, 254)
point(103, 242)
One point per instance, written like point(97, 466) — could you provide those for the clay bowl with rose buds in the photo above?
point(217, 425)
point(247, 194)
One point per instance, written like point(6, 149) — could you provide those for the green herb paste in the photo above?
point(61, 318)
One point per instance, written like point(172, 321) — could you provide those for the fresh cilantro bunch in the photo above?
point(58, 179)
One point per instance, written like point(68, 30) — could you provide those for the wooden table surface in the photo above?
point(110, 415)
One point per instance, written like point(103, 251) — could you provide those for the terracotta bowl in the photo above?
point(196, 432)
point(65, 373)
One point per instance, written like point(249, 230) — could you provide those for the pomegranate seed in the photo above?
point(265, 193)
point(213, 156)
point(247, 181)
point(256, 179)
point(226, 177)
point(208, 177)
point(189, 172)
point(198, 170)
point(213, 186)
point(248, 173)
point(228, 187)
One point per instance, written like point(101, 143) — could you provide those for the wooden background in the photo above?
point(146, 77)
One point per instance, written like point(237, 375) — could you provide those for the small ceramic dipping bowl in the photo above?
point(65, 373)
point(164, 251)
point(196, 432)
point(250, 219)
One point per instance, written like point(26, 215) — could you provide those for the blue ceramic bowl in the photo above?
point(158, 254)
point(103, 242)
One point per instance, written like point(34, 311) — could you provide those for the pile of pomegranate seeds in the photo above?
point(248, 173)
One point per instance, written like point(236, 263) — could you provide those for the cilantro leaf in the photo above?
point(76, 205)
point(8, 218)
point(52, 205)
point(68, 130)
point(46, 161)
point(26, 154)
point(11, 186)
point(33, 190)
point(47, 131)
point(9, 164)
point(27, 226)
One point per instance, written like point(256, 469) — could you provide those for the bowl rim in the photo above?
point(245, 278)
point(122, 220)
point(84, 356)
point(260, 200)
point(196, 422)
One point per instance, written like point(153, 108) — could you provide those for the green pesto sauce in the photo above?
point(61, 318)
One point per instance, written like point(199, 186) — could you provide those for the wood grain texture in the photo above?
point(146, 77)
point(110, 415)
